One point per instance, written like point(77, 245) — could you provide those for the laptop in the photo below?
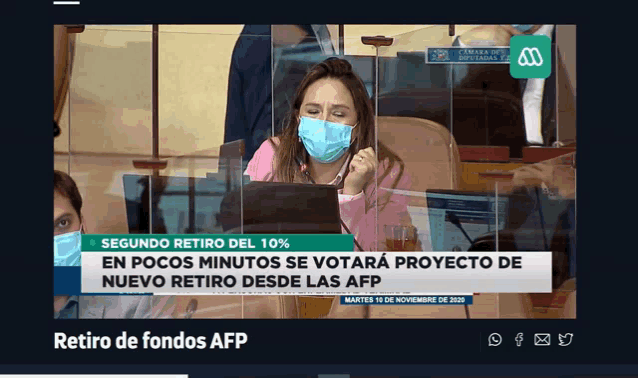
point(183, 205)
point(281, 208)
point(530, 216)
point(457, 218)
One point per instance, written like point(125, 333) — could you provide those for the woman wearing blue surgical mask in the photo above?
point(329, 138)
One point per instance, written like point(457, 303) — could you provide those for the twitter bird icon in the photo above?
point(566, 339)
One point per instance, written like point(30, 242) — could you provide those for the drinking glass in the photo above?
point(400, 238)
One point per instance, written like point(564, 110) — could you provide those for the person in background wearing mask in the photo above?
point(67, 227)
point(67, 230)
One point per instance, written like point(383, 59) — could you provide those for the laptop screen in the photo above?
point(270, 207)
point(457, 218)
point(183, 205)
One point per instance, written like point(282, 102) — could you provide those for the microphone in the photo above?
point(304, 170)
point(457, 222)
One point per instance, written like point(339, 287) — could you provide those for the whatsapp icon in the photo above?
point(495, 339)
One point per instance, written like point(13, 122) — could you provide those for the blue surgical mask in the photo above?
point(66, 249)
point(325, 141)
point(523, 28)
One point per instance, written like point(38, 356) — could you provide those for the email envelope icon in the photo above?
point(542, 339)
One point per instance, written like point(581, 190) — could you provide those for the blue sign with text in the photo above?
point(467, 55)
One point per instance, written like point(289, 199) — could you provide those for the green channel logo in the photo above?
point(530, 57)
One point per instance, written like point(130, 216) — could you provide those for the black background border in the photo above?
point(605, 330)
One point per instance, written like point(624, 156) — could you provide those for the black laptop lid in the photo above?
point(283, 208)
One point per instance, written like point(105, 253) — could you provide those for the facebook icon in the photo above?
point(519, 339)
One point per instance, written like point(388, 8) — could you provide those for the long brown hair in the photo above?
point(290, 148)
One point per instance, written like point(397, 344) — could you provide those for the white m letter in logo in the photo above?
point(528, 57)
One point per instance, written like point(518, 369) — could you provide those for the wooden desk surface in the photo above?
point(483, 176)
point(314, 307)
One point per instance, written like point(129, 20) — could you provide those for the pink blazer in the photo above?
point(360, 212)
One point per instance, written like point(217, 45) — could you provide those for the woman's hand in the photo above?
point(363, 167)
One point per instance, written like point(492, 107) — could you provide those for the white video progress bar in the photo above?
point(66, 3)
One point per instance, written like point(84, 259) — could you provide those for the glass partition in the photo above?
point(186, 198)
point(412, 103)
point(110, 102)
point(489, 106)
point(183, 204)
point(466, 98)
point(540, 207)
point(540, 215)
point(204, 86)
point(110, 117)
point(109, 142)
point(460, 104)
point(295, 49)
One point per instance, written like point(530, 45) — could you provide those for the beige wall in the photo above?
point(193, 90)
point(111, 90)
point(110, 114)
point(110, 95)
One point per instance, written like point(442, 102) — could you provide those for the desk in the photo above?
point(314, 307)
point(482, 167)
point(477, 176)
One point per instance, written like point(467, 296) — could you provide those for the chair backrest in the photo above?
point(429, 152)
